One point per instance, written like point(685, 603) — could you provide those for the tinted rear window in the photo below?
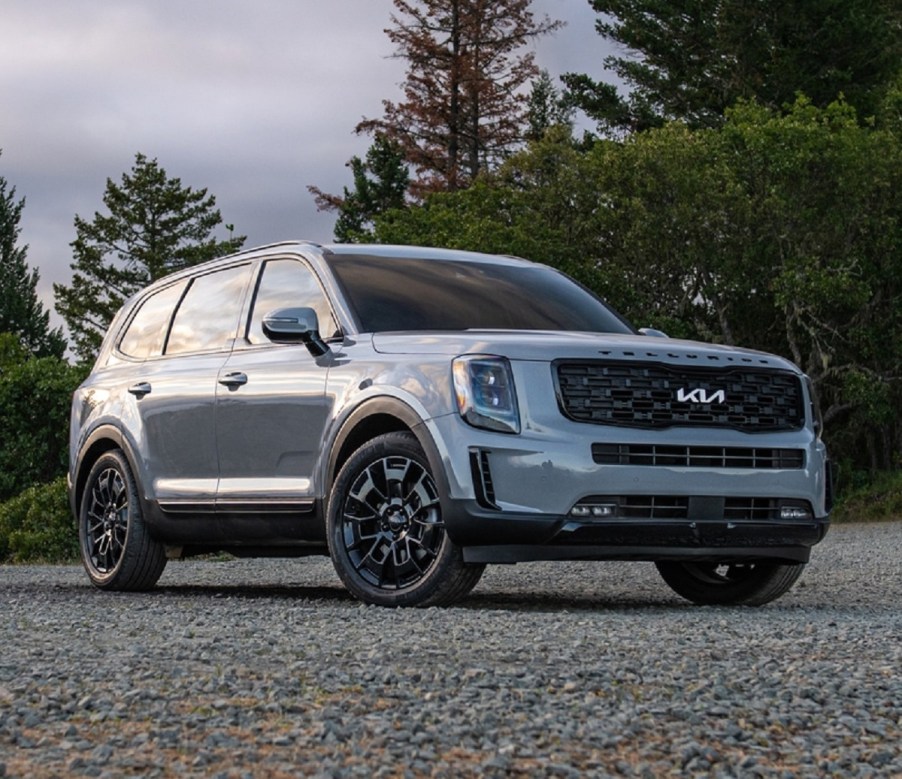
point(402, 294)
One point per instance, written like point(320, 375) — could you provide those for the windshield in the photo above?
point(399, 294)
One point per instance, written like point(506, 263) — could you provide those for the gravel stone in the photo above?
point(267, 668)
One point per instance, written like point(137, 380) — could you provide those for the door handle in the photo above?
point(234, 380)
point(140, 389)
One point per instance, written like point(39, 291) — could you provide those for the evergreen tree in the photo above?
point(693, 59)
point(464, 107)
point(21, 312)
point(155, 226)
point(546, 108)
point(380, 184)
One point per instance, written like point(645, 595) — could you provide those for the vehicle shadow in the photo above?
point(298, 592)
point(544, 602)
point(477, 601)
point(484, 599)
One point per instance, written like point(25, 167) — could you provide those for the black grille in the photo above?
point(653, 395)
point(652, 507)
point(698, 456)
point(694, 508)
point(751, 509)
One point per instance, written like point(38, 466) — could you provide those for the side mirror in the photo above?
point(295, 326)
point(652, 333)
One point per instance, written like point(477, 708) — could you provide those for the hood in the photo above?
point(551, 345)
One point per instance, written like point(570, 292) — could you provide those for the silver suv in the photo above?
point(417, 413)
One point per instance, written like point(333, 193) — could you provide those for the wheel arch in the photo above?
point(374, 418)
point(102, 440)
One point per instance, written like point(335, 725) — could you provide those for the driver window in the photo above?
point(289, 284)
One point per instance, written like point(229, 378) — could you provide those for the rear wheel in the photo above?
point(752, 583)
point(116, 548)
point(385, 529)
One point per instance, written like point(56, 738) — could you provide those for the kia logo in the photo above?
point(701, 395)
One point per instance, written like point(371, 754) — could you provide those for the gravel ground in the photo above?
point(267, 668)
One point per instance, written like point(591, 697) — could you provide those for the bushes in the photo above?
point(873, 499)
point(35, 396)
point(37, 526)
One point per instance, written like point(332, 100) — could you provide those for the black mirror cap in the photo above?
point(293, 326)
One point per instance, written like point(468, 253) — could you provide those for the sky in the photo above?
point(252, 101)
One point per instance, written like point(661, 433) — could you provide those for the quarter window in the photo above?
point(147, 331)
point(207, 318)
point(284, 284)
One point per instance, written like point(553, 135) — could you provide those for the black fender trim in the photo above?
point(393, 407)
point(113, 434)
point(100, 434)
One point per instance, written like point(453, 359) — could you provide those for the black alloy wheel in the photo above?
point(117, 550)
point(386, 534)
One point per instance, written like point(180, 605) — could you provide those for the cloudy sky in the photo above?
point(253, 101)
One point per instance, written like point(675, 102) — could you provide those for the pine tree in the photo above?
point(380, 184)
point(21, 312)
point(692, 59)
point(547, 108)
point(155, 226)
point(464, 105)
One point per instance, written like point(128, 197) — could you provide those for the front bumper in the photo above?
point(512, 498)
point(489, 537)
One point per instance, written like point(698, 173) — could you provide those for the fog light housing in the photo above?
point(593, 510)
point(795, 512)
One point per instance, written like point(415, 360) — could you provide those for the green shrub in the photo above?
point(37, 526)
point(35, 396)
point(878, 498)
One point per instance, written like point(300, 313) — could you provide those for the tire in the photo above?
point(116, 548)
point(735, 583)
point(385, 530)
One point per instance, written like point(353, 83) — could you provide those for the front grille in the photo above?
point(652, 507)
point(655, 395)
point(698, 456)
point(751, 509)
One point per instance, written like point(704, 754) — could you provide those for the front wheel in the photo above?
point(386, 532)
point(735, 583)
point(117, 550)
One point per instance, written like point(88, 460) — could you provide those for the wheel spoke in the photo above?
point(367, 494)
point(422, 492)
point(374, 561)
point(421, 549)
point(94, 526)
point(412, 554)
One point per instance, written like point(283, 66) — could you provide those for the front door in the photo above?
point(271, 413)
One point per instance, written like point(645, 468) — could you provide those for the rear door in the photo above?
point(173, 394)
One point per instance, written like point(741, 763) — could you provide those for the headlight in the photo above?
point(486, 397)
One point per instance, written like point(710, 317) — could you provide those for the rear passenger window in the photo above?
point(288, 283)
point(147, 330)
point(207, 319)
